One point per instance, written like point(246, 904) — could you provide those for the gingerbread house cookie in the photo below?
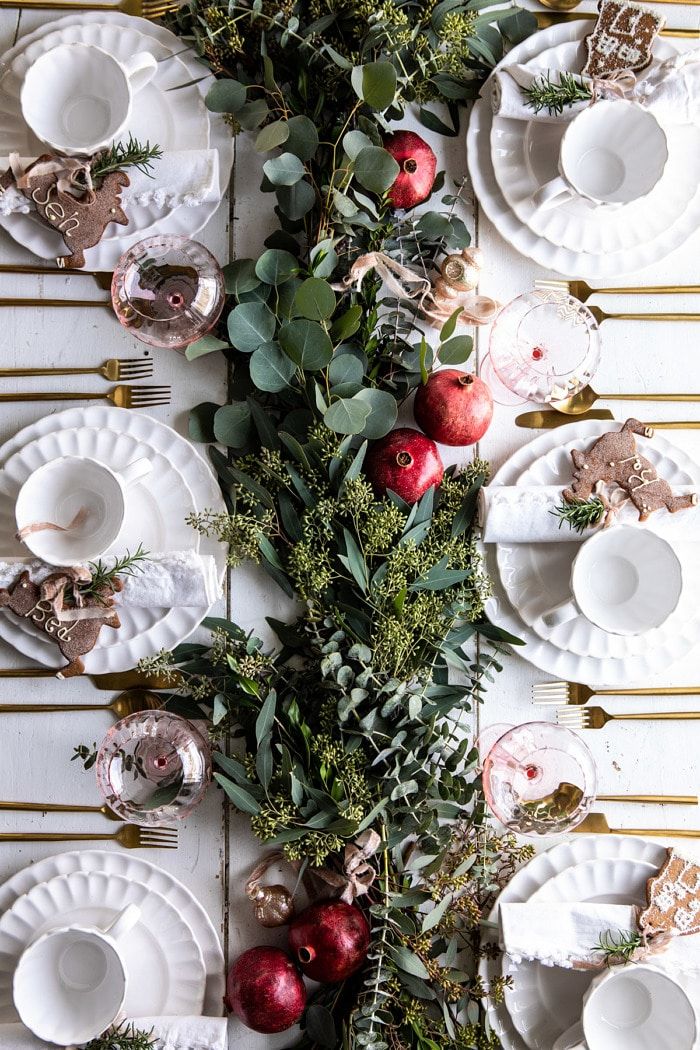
point(622, 38)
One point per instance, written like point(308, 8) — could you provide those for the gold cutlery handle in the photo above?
point(657, 716)
point(52, 836)
point(650, 317)
point(6, 372)
point(669, 690)
point(654, 289)
point(645, 397)
point(674, 424)
point(676, 833)
point(54, 395)
point(48, 807)
point(680, 800)
point(27, 672)
point(55, 302)
point(16, 709)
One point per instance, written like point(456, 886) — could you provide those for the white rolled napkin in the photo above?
point(672, 89)
point(189, 177)
point(522, 514)
point(566, 934)
point(504, 88)
point(170, 1033)
point(162, 581)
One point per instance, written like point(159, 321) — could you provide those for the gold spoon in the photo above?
point(587, 396)
point(127, 703)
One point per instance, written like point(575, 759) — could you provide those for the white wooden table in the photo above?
point(217, 849)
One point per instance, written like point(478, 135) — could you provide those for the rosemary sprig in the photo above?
point(104, 575)
point(126, 1037)
point(618, 948)
point(544, 93)
point(580, 515)
point(121, 155)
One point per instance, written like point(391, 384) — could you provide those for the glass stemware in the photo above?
point(153, 767)
point(539, 778)
point(545, 345)
point(168, 291)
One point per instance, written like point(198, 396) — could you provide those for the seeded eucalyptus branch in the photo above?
point(580, 515)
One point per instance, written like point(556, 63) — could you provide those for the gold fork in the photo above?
point(54, 807)
point(546, 20)
point(556, 693)
point(130, 836)
point(103, 278)
point(127, 703)
point(582, 291)
point(121, 396)
point(597, 824)
point(140, 8)
point(603, 315)
point(596, 717)
point(114, 369)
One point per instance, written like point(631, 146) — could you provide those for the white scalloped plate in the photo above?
point(139, 872)
point(179, 66)
point(525, 156)
point(564, 261)
point(154, 629)
point(165, 970)
point(526, 882)
point(536, 576)
point(543, 653)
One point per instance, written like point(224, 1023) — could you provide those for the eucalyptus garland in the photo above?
point(359, 717)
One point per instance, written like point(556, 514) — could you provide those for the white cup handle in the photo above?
point(140, 69)
point(134, 471)
point(561, 613)
point(553, 192)
point(125, 921)
point(575, 1033)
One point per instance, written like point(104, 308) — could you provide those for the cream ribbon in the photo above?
point(73, 173)
point(619, 84)
point(51, 526)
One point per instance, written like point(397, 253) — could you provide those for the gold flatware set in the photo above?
point(112, 680)
point(131, 836)
point(127, 703)
point(548, 419)
point(597, 824)
point(122, 396)
point(574, 693)
point(595, 717)
point(114, 369)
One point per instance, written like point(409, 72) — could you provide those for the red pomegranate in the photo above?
point(330, 940)
point(417, 163)
point(405, 461)
point(453, 407)
point(265, 990)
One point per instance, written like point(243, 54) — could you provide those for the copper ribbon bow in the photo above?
point(73, 173)
point(358, 874)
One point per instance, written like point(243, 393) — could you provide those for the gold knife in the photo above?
point(548, 420)
point(113, 680)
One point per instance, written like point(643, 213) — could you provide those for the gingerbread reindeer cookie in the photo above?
point(615, 460)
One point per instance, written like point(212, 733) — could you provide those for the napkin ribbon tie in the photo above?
point(358, 874)
point(618, 84)
point(73, 173)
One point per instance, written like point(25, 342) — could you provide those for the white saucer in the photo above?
point(562, 663)
point(525, 156)
point(525, 883)
point(139, 872)
point(165, 971)
point(536, 576)
point(149, 629)
point(564, 261)
point(178, 67)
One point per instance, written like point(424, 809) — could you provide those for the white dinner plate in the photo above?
point(525, 156)
point(153, 629)
point(536, 576)
point(527, 881)
point(546, 1000)
point(565, 261)
point(139, 872)
point(183, 66)
point(165, 970)
point(541, 652)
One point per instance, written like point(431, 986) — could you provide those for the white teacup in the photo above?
point(625, 580)
point(70, 984)
point(633, 1007)
point(69, 487)
point(78, 98)
point(613, 152)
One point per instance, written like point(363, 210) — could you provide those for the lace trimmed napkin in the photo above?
point(504, 88)
point(566, 935)
point(163, 581)
point(522, 514)
point(170, 1033)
